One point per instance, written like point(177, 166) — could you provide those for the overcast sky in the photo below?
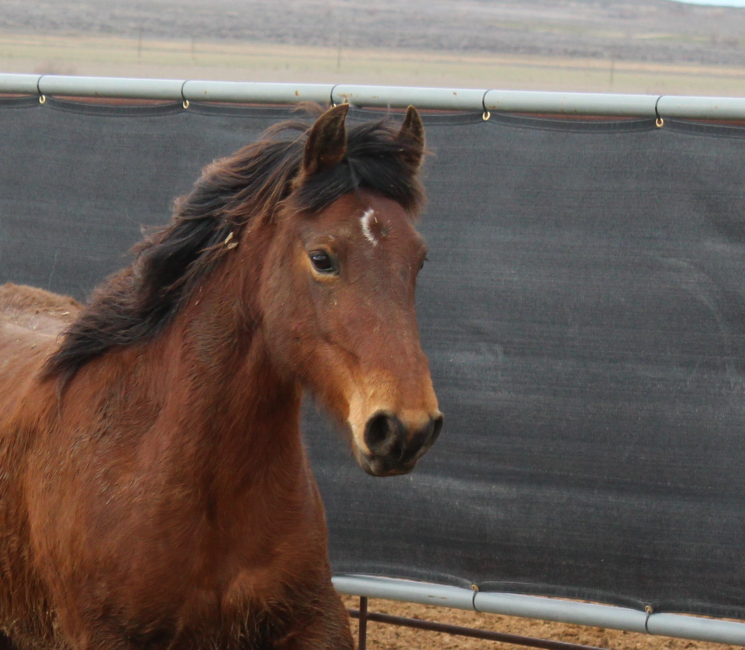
point(715, 3)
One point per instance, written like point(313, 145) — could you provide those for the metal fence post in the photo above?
point(362, 645)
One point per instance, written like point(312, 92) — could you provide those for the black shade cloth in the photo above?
point(583, 311)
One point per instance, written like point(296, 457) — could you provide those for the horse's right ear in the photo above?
point(327, 141)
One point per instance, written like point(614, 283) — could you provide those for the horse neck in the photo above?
point(236, 411)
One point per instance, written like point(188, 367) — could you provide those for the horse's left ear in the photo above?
point(412, 134)
point(327, 141)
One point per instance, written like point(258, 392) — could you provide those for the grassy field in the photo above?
point(113, 56)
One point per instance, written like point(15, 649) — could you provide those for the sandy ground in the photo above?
point(389, 637)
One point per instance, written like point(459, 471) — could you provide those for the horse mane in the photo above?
point(138, 302)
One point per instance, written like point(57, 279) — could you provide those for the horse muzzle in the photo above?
point(395, 448)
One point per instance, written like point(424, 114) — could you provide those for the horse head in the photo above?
point(337, 288)
point(322, 230)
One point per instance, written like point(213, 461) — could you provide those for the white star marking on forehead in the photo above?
point(365, 221)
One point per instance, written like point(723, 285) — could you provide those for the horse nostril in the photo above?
point(384, 434)
point(377, 430)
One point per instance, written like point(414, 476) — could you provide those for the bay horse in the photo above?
point(154, 488)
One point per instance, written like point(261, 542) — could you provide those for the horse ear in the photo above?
point(412, 134)
point(327, 141)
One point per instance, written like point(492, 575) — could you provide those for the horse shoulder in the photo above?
point(25, 342)
point(22, 354)
point(36, 309)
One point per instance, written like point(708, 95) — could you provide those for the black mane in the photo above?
point(138, 302)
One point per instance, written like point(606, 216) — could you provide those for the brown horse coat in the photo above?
point(154, 488)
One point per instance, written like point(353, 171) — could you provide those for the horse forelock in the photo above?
point(376, 159)
point(137, 303)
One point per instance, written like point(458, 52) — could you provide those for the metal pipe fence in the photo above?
point(363, 616)
point(445, 99)
point(547, 609)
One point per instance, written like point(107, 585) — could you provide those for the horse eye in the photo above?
point(322, 262)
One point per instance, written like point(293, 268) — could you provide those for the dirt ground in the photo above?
point(389, 637)
point(629, 30)
point(628, 46)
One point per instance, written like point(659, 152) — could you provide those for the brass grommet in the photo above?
point(649, 609)
point(659, 122)
point(42, 99)
point(185, 103)
point(486, 116)
point(475, 587)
